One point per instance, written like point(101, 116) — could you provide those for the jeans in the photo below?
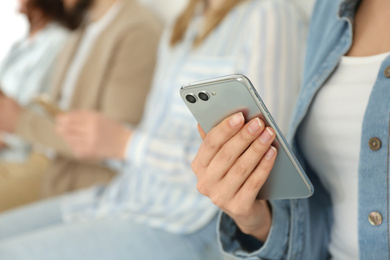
point(37, 232)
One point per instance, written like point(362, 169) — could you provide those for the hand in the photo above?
point(232, 165)
point(10, 112)
point(92, 135)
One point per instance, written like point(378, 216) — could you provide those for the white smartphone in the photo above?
point(211, 101)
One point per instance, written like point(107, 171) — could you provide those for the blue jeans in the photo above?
point(37, 232)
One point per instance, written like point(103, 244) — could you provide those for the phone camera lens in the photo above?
point(191, 98)
point(203, 96)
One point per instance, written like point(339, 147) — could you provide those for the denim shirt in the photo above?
point(301, 228)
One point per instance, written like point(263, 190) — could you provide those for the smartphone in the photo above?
point(211, 101)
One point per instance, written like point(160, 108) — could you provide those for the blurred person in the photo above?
point(152, 209)
point(25, 72)
point(106, 66)
point(340, 134)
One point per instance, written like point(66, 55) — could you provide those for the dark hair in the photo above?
point(51, 9)
point(77, 14)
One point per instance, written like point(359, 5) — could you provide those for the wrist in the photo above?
point(262, 229)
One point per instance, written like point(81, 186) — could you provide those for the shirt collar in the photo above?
point(347, 8)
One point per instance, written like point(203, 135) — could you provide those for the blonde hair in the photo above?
point(211, 21)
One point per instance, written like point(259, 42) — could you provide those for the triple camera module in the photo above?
point(202, 96)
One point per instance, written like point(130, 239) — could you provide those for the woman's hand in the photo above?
point(92, 135)
point(232, 165)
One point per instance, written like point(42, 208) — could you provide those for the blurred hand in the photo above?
point(92, 135)
point(10, 111)
point(232, 165)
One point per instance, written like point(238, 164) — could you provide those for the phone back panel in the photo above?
point(235, 93)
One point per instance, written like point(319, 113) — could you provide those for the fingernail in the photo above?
point(266, 136)
point(254, 126)
point(237, 119)
point(271, 152)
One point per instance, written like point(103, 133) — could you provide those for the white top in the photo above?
point(91, 34)
point(330, 140)
point(25, 72)
point(157, 186)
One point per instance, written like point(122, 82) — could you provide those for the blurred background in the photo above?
point(167, 9)
point(10, 16)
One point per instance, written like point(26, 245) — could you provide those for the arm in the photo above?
point(232, 164)
point(28, 124)
point(36, 78)
point(295, 223)
point(125, 91)
point(39, 75)
point(274, 48)
point(273, 54)
point(36, 128)
point(231, 167)
point(131, 73)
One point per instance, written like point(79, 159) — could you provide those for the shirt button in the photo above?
point(375, 218)
point(387, 72)
point(375, 143)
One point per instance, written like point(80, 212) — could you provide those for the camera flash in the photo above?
point(213, 93)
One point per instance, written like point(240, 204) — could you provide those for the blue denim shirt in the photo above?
point(301, 228)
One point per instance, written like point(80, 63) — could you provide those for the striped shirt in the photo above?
point(262, 39)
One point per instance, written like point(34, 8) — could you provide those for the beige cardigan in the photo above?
point(114, 80)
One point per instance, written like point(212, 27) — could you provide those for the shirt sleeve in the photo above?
point(48, 46)
point(272, 57)
point(242, 246)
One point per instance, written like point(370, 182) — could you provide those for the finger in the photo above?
point(232, 150)
point(216, 138)
point(248, 161)
point(257, 178)
point(201, 132)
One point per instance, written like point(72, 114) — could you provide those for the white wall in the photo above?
point(167, 9)
point(13, 26)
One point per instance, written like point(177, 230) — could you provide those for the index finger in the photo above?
point(217, 137)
